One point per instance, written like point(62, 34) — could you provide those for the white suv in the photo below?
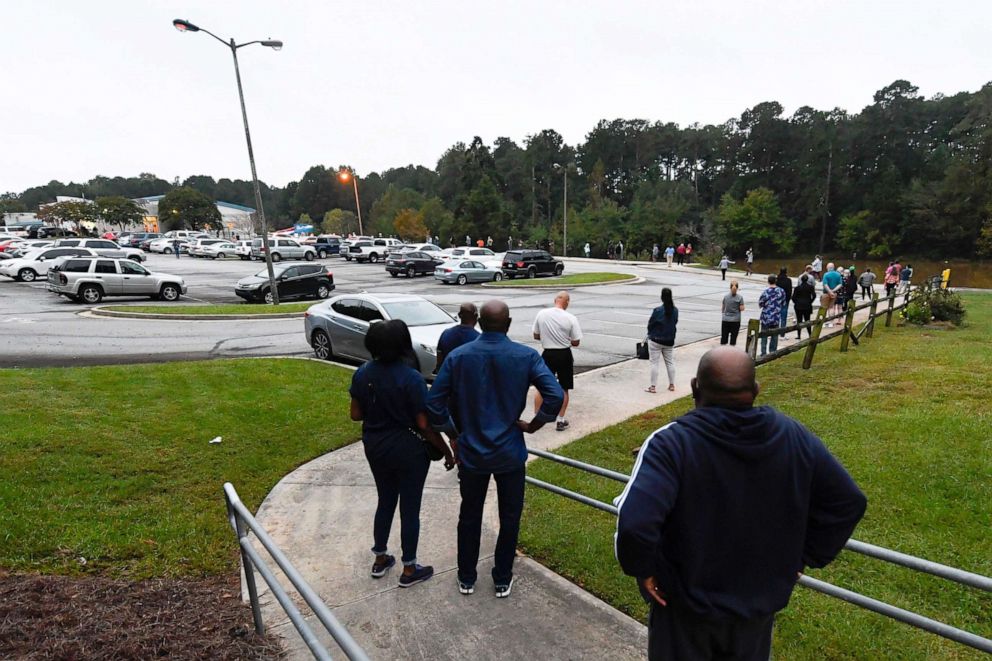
point(103, 247)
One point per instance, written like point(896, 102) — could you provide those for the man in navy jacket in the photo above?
point(725, 508)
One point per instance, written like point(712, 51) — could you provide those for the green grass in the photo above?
point(908, 414)
point(230, 308)
point(113, 464)
point(572, 279)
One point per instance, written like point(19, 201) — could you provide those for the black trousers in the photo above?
point(723, 274)
point(679, 635)
point(510, 496)
point(865, 292)
point(801, 316)
point(729, 331)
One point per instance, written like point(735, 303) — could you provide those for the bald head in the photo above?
point(725, 377)
point(468, 313)
point(495, 317)
point(562, 300)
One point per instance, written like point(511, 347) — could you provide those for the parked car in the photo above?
point(48, 232)
point(89, 279)
point(530, 264)
point(243, 249)
point(411, 263)
point(221, 250)
point(28, 246)
point(11, 244)
point(484, 255)
point(35, 263)
point(167, 245)
point(135, 240)
point(466, 271)
point(370, 251)
point(293, 281)
point(282, 249)
point(103, 247)
point(327, 246)
point(337, 327)
point(192, 235)
point(196, 247)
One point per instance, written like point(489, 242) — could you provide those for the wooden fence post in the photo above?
point(848, 326)
point(753, 326)
point(814, 338)
point(871, 314)
point(888, 314)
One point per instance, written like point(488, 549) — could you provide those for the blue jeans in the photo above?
point(399, 476)
point(785, 316)
point(772, 341)
point(510, 496)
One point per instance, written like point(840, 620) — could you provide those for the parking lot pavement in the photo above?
point(37, 327)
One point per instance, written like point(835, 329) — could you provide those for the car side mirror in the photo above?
point(41, 259)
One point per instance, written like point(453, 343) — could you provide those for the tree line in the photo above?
point(906, 175)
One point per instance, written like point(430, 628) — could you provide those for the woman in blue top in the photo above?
point(389, 398)
point(661, 339)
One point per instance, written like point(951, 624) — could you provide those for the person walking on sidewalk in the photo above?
point(669, 255)
point(905, 277)
point(688, 253)
point(619, 250)
point(587, 249)
point(458, 335)
point(724, 265)
point(477, 399)
point(750, 260)
point(724, 510)
point(655, 251)
point(771, 302)
point(661, 339)
point(558, 331)
point(867, 282)
point(389, 398)
point(802, 300)
point(732, 306)
point(784, 282)
point(680, 254)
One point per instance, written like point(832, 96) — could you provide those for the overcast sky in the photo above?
point(108, 87)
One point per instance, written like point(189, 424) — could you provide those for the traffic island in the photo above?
point(204, 312)
point(573, 280)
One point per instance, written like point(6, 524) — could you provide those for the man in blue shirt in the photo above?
point(477, 398)
point(458, 335)
point(832, 283)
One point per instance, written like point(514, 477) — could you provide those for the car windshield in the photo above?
point(417, 313)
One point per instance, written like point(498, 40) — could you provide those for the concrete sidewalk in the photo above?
point(321, 516)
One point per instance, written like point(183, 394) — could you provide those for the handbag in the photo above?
point(642, 350)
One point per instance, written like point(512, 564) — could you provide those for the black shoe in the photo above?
point(465, 588)
point(419, 575)
point(379, 569)
point(561, 426)
point(503, 589)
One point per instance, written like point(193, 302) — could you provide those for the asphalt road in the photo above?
point(38, 328)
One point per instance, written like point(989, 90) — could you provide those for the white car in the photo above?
point(196, 247)
point(223, 250)
point(167, 246)
point(104, 248)
point(487, 257)
point(243, 249)
point(36, 263)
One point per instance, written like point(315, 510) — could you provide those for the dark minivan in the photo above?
point(530, 264)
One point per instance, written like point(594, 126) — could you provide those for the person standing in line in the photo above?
point(724, 265)
point(784, 282)
point(468, 240)
point(458, 335)
point(587, 249)
point(655, 253)
point(688, 253)
point(802, 300)
point(891, 279)
point(428, 238)
point(489, 241)
point(477, 400)
point(619, 249)
point(551, 246)
point(732, 306)
point(680, 254)
point(609, 250)
point(389, 398)
point(725, 508)
point(669, 255)
point(867, 281)
point(558, 331)
point(771, 302)
point(905, 277)
point(832, 282)
point(750, 260)
point(661, 339)
point(509, 242)
point(817, 267)
point(850, 285)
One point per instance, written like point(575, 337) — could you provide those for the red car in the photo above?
point(9, 244)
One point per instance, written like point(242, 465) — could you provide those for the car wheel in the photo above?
point(559, 269)
point(373, 258)
point(27, 275)
point(136, 258)
point(91, 294)
point(323, 291)
point(322, 254)
point(411, 271)
point(308, 256)
point(462, 279)
point(267, 297)
point(497, 277)
point(276, 257)
point(244, 258)
point(532, 273)
point(167, 251)
point(221, 255)
point(393, 273)
point(321, 345)
point(170, 292)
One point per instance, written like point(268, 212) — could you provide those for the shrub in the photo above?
point(934, 304)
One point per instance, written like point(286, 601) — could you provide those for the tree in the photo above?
point(120, 211)
point(60, 213)
point(386, 208)
point(756, 222)
point(340, 221)
point(856, 233)
point(409, 225)
point(185, 208)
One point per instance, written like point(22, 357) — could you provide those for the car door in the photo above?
point(479, 272)
point(136, 280)
point(346, 327)
point(290, 285)
point(105, 272)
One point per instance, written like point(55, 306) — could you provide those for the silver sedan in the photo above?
point(337, 327)
point(466, 271)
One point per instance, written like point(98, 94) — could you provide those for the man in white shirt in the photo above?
point(558, 331)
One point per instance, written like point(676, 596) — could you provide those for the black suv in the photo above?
point(411, 263)
point(294, 281)
point(327, 246)
point(530, 264)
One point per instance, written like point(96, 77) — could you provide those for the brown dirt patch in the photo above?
point(91, 617)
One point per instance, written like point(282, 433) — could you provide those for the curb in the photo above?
point(633, 280)
point(102, 312)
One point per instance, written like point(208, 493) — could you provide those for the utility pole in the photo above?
point(826, 198)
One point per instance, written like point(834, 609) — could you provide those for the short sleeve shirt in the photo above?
point(732, 307)
point(557, 328)
point(390, 396)
point(454, 337)
point(831, 279)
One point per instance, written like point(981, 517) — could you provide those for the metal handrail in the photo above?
point(911, 562)
point(240, 519)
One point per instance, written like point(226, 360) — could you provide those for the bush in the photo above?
point(917, 312)
point(934, 304)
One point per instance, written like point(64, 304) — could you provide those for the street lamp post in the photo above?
point(344, 176)
point(564, 210)
point(186, 26)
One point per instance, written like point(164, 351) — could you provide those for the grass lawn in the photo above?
point(572, 279)
point(231, 308)
point(908, 414)
point(113, 464)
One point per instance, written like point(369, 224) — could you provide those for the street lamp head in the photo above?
point(344, 176)
point(274, 45)
point(184, 26)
